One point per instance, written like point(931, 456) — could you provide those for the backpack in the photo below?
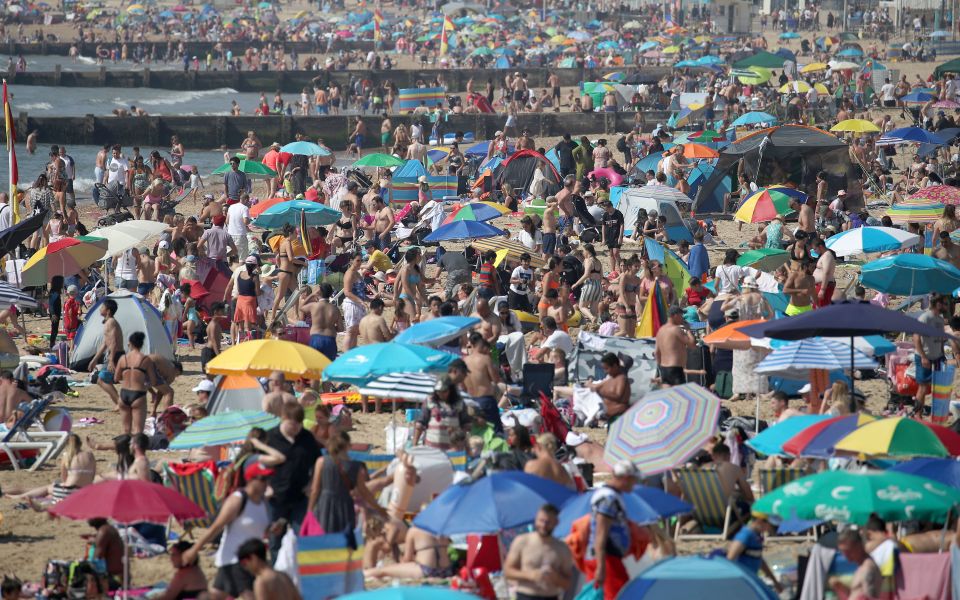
point(622, 144)
point(229, 480)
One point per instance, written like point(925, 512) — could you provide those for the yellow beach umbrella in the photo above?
point(260, 358)
point(856, 126)
point(800, 87)
point(671, 49)
point(821, 88)
point(814, 67)
point(761, 76)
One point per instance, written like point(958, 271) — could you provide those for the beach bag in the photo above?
point(229, 479)
point(310, 525)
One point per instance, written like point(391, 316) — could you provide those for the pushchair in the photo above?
point(109, 198)
point(590, 232)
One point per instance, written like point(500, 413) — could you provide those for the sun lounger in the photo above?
point(24, 440)
point(195, 481)
point(714, 512)
point(771, 479)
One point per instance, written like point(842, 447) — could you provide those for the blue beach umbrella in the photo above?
point(463, 230)
point(305, 148)
point(849, 52)
point(911, 134)
point(910, 274)
point(793, 359)
point(363, 364)
point(282, 213)
point(410, 593)
point(941, 470)
point(696, 577)
point(644, 505)
point(482, 148)
point(496, 502)
point(754, 117)
point(789, 35)
point(436, 332)
point(770, 441)
point(223, 428)
point(917, 97)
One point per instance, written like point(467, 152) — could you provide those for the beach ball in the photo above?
point(58, 419)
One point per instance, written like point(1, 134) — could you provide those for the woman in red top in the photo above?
point(696, 293)
point(71, 314)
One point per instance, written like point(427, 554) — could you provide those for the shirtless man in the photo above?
point(166, 372)
point(111, 349)
point(806, 219)
point(10, 398)
point(277, 395)
point(146, 273)
point(373, 326)
point(553, 82)
point(540, 564)
point(489, 326)
point(416, 150)
point(549, 243)
point(268, 584)
point(558, 308)
point(673, 341)
point(546, 464)
point(867, 579)
point(947, 250)
point(482, 379)
point(211, 349)
point(325, 321)
point(614, 389)
point(565, 202)
point(732, 479)
point(100, 164)
point(824, 274)
point(211, 208)
point(801, 288)
point(383, 222)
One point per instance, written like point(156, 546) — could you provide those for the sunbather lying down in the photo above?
point(78, 468)
point(424, 555)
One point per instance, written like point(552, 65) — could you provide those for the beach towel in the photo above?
point(924, 576)
point(815, 581)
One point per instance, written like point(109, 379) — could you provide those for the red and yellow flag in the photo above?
point(377, 20)
point(444, 36)
point(11, 153)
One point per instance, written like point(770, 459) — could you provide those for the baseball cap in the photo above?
point(204, 386)
point(163, 245)
point(219, 220)
point(255, 469)
point(625, 468)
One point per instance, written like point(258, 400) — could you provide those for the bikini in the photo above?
point(128, 397)
point(414, 280)
point(435, 572)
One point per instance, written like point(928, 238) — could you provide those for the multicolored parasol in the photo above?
point(64, 257)
point(893, 437)
point(943, 194)
point(817, 441)
point(915, 211)
point(763, 206)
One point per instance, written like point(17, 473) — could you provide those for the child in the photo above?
point(214, 333)
point(196, 184)
point(401, 320)
point(71, 315)
point(192, 318)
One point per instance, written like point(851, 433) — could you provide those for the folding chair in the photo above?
point(22, 443)
point(537, 379)
point(771, 479)
point(702, 489)
point(196, 482)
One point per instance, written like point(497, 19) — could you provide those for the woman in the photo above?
point(164, 264)
point(424, 555)
point(41, 200)
point(424, 194)
point(140, 177)
point(248, 288)
point(161, 167)
point(152, 197)
point(947, 222)
point(836, 400)
point(550, 281)
point(288, 267)
point(78, 468)
point(774, 232)
point(455, 160)
point(411, 285)
point(401, 140)
point(653, 276)
point(55, 307)
point(591, 281)
point(188, 580)
point(176, 150)
point(628, 288)
point(750, 303)
point(583, 157)
point(132, 463)
point(135, 369)
point(529, 235)
point(55, 228)
point(344, 231)
point(355, 299)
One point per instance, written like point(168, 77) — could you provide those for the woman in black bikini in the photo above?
point(135, 370)
point(188, 579)
point(288, 266)
point(345, 230)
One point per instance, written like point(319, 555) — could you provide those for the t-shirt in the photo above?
point(117, 170)
point(292, 475)
point(525, 276)
point(454, 261)
point(380, 261)
point(529, 241)
point(932, 346)
point(886, 92)
point(235, 218)
point(612, 225)
point(559, 339)
point(236, 183)
point(6, 216)
point(217, 242)
point(752, 555)
point(608, 502)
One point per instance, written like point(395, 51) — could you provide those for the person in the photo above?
point(354, 301)
point(928, 356)
point(520, 280)
point(806, 220)
point(277, 395)
point(553, 337)
point(444, 414)
point(673, 342)
point(800, 287)
point(216, 242)
point(746, 548)
point(325, 321)
point(373, 326)
point(108, 547)
point(238, 223)
point(11, 395)
point(78, 468)
point(610, 536)
point(111, 349)
point(699, 260)
point(614, 389)
point(383, 222)
point(866, 579)
point(540, 564)
point(482, 379)
point(546, 464)
point(243, 515)
point(823, 274)
point(424, 555)
point(166, 371)
point(268, 584)
point(188, 580)
point(612, 233)
point(211, 349)
point(732, 478)
point(458, 273)
point(248, 290)
point(55, 307)
point(288, 266)
point(135, 370)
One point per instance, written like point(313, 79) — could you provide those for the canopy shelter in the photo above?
point(520, 171)
point(951, 66)
point(789, 153)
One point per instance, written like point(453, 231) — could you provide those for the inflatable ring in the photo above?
point(103, 53)
point(612, 176)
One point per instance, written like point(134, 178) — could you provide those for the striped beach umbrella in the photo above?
point(895, 437)
point(477, 211)
point(224, 428)
point(944, 194)
point(796, 359)
point(769, 442)
point(664, 429)
point(764, 259)
point(915, 211)
point(405, 386)
point(64, 257)
point(10, 295)
point(818, 440)
point(868, 240)
point(763, 206)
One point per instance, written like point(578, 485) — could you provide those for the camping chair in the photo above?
point(22, 442)
point(195, 481)
point(537, 379)
point(702, 489)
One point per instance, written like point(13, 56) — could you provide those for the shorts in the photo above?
point(518, 95)
point(828, 294)
point(614, 245)
point(549, 243)
point(322, 109)
point(673, 375)
point(233, 579)
point(384, 138)
point(358, 140)
point(591, 292)
point(126, 284)
point(335, 102)
point(797, 310)
point(324, 344)
point(925, 375)
point(518, 301)
point(890, 103)
point(352, 313)
point(382, 243)
point(71, 333)
point(106, 376)
point(206, 355)
point(145, 288)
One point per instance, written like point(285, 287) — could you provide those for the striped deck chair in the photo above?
point(458, 460)
point(195, 481)
point(771, 479)
point(24, 442)
point(327, 567)
point(374, 462)
point(714, 513)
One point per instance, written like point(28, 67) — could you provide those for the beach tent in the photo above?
point(951, 66)
point(232, 393)
point(629, 200)
point(789, 153)
point(520, 168)
point(590, 348)
point(134, 313)
point(413, 168)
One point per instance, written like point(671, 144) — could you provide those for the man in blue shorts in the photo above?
point(325, 321)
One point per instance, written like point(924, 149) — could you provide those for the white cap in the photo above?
point(204, 386)
point(498, 133)
point(163, 245)
point(750, 282)
point(625, 468)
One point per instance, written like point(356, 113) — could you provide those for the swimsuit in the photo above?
point(324, 344)
point(105, 375)
point(797, 310)
point(128, 397)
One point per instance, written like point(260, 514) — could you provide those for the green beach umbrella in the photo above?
point(252, 168)
point(379, 159)
point(707, 136)
point(852, 497)
point(224, 428)
point(764, 259)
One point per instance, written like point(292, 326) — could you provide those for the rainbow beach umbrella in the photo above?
point(817, 441)
point(894, 437)
point(915, 211)
point(64, 257)
point(763, 206)
point(477, 211)
point(664, 429)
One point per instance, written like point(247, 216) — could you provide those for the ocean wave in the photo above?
point(35, 106)
point(83, 184)
point(173, 98)
point(86, 60)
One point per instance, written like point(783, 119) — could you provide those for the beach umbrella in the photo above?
point(252, 168)
point(799, 357)
point(65, 257)
point(917, 97)
point(915, 211)
point(379, 159)
point(910, 274)
point(223, 428)
point(871, 345)
point(850, 52)
point(260, 358)
point(856, 126)
point(437, 332)
point(505, 248)
point(263, 205)
point(814, 67)
point(463, 230)
point(496, 502)
point(849, 497)
point(126, 502)
point(789, 35)
point(696, 577)
point(941, 194)
point(818, 439)
point(754, 118)
point(767, 60)
point(950, 104)
point(664, 428)
point(763, 206)
point(770, 441)
point(363, 364)
point(13, 236)
point(644, 505)
point(947, 436)
point(910, 135)
point(415, 387)
point(869, 240)
point(842, 65)
point(699, 151)
point(305, 148)
point(729, 337)
point(410, 593)
point(945, 471)
point(707, 135)
point(893, 437)
point(753, 75)
point(128, 234)
point(477, 211)
point(13, 296)
point(764, 259)
point(281, 213)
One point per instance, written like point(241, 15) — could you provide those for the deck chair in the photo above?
point(24, 441)
point(374, 462)
point(715, 514)
point(771, 479)
point(458, 460)
point(195, 481)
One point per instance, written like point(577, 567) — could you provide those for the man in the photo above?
point(108, 547)
point(211, 349)
point(166, 372)
point(699, 261)
point(929, 350)
point(482, 379)
point(325, 321)
point(234, 181)
point(489, 326)
point(553, 337)
point(70, 171)
point(294, 474)
point(614, 389)
point(947, 251)
point(887, 94)
point(565, 201)
point(277, 395)
point(540, 564)
point(117, 170)
point(559, 307)
point(217, 243)
point(358, 135)
point(564, 150)
point(383, 222)
point(458, 271)
point(746, 548)
point(442, 417)
point(546, 464)
point(238, 224)
point(11, 395)
point(373, 326)
point(488, 279)
point(549, 239)
point(866, 579)
point(520, 281)
point(6, 212)
point(268, 584)
point(732, 480)
point(612, 233)
point(111, 349)
point(147, 270)
point(673, 342)
point(271, 159)
point(806, 219)
point(800, 287)
point(610, 536)
point(824, 273)
point(781, 407)
point(376, 260)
